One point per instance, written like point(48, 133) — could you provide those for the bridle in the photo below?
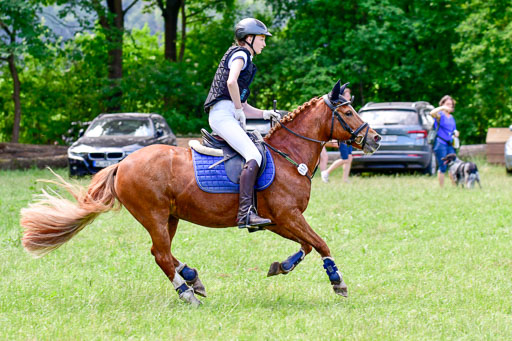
point(354, 134)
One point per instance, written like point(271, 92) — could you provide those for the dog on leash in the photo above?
point(461, 172)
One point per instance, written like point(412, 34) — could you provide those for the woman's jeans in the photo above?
point(441, 150)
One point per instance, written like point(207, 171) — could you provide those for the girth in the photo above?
point(234, 162)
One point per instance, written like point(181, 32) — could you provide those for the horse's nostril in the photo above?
point(377, 138)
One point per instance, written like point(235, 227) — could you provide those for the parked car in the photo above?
point(508, 154)
point(404, 127)
point(111, 137)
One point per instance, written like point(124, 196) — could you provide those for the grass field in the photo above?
point(420, 262)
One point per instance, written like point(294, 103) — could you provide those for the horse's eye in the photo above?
point(348, 113)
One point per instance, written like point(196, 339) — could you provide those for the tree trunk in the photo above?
point(115, 53)
point(170, 14)
point(16, 98)
point(183, 30)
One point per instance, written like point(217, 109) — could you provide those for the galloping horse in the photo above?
point(157, 186)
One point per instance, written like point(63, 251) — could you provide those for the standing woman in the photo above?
point(228, 108)
point(446, 129)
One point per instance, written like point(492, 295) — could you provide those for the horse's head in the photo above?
point(351, 127)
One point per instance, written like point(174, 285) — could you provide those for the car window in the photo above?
point(390, 117)
point(161, 124)
point(119, 127)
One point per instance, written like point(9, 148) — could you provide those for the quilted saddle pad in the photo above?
point(215, 180)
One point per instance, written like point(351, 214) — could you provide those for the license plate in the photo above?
point(104, 163)
point(389, 138)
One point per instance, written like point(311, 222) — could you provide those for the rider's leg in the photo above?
point(226, 126)
point(246, 214)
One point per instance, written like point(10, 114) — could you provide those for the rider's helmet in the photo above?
point(250, 26)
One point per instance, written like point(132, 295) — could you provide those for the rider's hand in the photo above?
point(269, 114)
point(240, 116)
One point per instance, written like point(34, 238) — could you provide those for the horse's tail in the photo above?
point(53, 220)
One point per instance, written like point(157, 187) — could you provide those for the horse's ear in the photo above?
point(342, 90)
point(335, 92)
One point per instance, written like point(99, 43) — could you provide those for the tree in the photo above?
point(111, 19)
point(110, 16)
point(20, 32)
point(202, 10)
point(485, 54)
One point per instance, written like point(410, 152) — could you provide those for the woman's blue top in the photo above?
point(446, 128)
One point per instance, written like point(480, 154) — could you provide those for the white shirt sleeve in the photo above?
point(237, 55)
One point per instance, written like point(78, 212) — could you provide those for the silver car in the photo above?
point(112, 137)
point(508, 154)
point(405, 128)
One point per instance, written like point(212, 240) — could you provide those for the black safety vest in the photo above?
point(219, 87)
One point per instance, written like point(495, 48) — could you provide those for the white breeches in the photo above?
point(223, 123)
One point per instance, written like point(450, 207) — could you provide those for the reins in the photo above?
point(354, 134)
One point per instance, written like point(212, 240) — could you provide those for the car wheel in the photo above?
point(432, 165)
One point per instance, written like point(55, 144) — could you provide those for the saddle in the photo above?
point(233, 162)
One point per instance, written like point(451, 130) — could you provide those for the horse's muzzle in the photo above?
point(372, 144)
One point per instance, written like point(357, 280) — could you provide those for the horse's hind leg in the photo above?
point(190, 275)
point(161, 249)
point(156, 221)
point(291, 262)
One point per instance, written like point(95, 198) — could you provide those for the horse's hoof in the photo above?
point(189, 297)
point(198, 287)
point(275, 269)
point(340, 289)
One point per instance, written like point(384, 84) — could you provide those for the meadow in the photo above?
point(420, 262)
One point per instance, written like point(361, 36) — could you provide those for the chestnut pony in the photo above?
point(157, 186)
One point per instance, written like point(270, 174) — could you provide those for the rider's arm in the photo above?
point(232, 82)
point(251, 111)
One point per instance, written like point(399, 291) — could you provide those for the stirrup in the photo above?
point(244, 222)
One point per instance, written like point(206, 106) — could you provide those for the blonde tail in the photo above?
point(53, 220)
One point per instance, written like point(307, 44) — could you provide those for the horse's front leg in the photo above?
point(291, 262)
point(298, 226)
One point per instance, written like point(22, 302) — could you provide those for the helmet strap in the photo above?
point(250, 44)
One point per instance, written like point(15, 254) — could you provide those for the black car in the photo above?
point(111, 137)
point(405, 128)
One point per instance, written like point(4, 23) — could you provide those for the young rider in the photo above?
point(228, 108)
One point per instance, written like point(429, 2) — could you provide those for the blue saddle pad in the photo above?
point(215, 180)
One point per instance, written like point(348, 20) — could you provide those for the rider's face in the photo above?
point(259, 43)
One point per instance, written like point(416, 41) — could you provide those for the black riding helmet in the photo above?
point(250, 26)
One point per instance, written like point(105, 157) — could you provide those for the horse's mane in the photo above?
point(291, 115)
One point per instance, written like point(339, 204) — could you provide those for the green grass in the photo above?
point(420, 262)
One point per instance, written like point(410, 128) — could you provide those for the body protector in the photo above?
point(219, 88)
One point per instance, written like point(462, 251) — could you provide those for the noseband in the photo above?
point(354, 134)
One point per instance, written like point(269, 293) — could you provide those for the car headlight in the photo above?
point(75, 155)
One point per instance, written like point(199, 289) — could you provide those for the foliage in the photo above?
point(391, 50)
point(21, 33)
point(485, 52)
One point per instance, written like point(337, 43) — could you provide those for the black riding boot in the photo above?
point(247, 216)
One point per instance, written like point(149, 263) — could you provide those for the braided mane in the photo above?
point(291, 116)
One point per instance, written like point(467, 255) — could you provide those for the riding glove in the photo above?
point(269, 114)
point(240, 116)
